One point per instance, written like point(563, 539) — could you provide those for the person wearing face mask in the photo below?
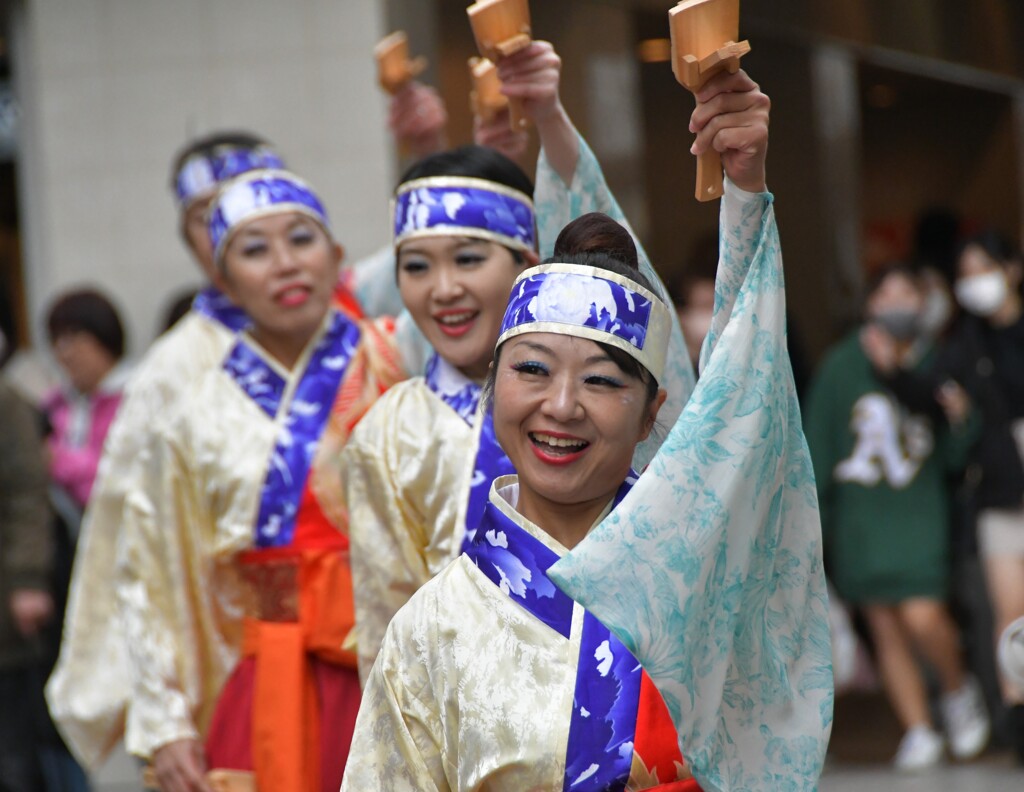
point(985, 351)
point(881, 473)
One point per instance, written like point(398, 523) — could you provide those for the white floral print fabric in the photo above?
point(710, 570)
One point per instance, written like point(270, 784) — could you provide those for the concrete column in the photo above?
point(112, 88)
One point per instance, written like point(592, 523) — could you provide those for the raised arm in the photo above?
point(723, 600)
point(569, 184)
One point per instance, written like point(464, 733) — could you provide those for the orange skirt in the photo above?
point(229, 741)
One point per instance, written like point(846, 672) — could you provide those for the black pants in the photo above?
point(19, 769)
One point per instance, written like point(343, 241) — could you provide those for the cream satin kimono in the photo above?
point(199, 502)
point(89, 687)
point(408, 466)
point(475, 684)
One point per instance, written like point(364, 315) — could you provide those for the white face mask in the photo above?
point(982, 295)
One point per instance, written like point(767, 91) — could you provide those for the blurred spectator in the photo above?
point(936, 236)
point(936, 239)
point(985, 351)
point(26, 607)
point(881, 473)
point(694, 294)
point(88, 341)
point(87, 338)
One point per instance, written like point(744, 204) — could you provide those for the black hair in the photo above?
point(87, 311)
point(478, 162)
point(887, 270)
point(178, 308)
point(596, 232)
point(994, 244)
point(207, 145)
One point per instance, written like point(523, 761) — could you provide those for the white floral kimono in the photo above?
point(723, 600)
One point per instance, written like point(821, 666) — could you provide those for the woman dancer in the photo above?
point(708, 567)
point(87, 691)
point(238, 566)
point(420, 464)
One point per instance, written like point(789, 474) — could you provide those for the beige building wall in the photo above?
point(110, 89)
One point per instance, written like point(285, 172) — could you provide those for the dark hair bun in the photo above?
point(596, 232)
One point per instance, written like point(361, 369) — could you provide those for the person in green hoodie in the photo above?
point(882, 467)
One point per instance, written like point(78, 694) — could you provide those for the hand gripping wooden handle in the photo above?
point(710, 179)
point(704, 36)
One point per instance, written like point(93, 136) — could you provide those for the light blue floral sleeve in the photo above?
point(710, 570)
point(556, 206)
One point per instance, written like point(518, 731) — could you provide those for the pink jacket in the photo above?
point(80, 424)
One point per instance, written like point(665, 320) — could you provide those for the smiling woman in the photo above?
point(235, 585)
point(568, 410)
point(463, 231)
point(282, 268)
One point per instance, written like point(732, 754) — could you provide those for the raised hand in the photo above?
point(732, 118)
point(418, 119)
point(497, 133)
point(533, 75)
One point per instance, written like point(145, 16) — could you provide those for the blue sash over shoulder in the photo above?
point(463, 396)
point(308, 412)
point(602, 731)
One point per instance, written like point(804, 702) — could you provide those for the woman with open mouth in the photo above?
point(535, 660)
point(420, 465)
point(234, 584)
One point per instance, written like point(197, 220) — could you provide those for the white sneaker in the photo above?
point(966, 721)
point(920, 748)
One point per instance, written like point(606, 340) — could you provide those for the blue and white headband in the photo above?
point(464, 206)
point(592, 303)
point(201, 174)
point(258, 194)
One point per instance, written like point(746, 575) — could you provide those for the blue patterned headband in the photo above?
point(464, 206)
point(592, 303)
point(258, 194)
point(201, 174)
